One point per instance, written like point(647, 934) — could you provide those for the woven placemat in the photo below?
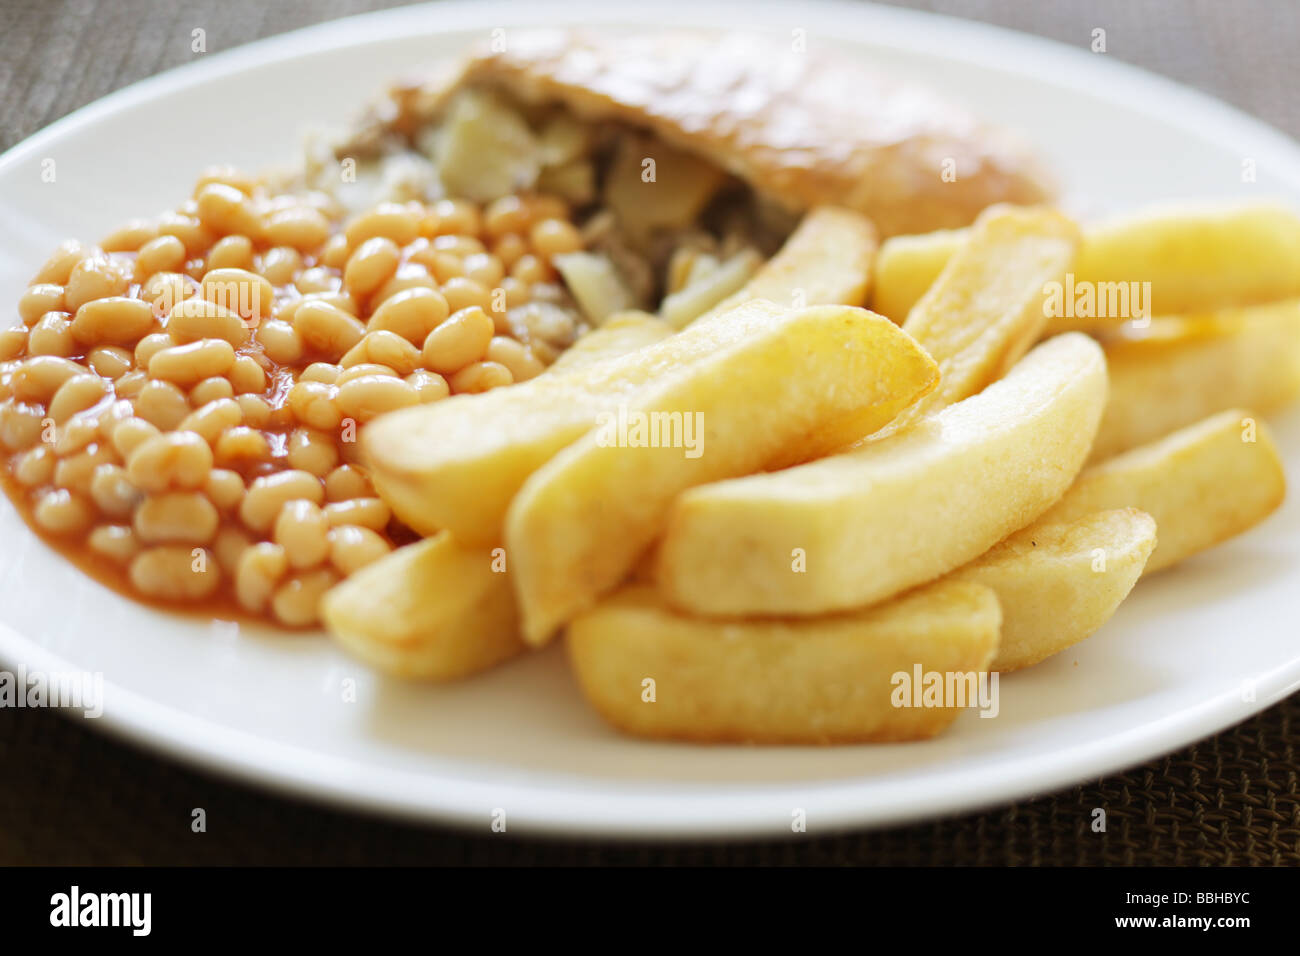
point(72, 796)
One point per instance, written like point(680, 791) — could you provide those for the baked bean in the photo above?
point(175, 573)
point(226, 176)
point(232, 252)
point(211, 390)
point(339, 299)
point(312, 451)
point(51, 335)
point(113, 416)
point(280, 342)
point(39, 377)
point(77, 472)
point(268, 494)
point(334, 254)
point(373, 264)
point(163, 254)
point(13, 342)
point(509, 248)
point(529, 268)
point(352, 547)
point(296, 602)
point(457, 216)
point(300, 227)
point(77, 394)
point(151, 345)
point(245, 293)
point(39, 299)
point(485, 269)
point(446, 267)
point(429, 386)
point(370, 396)
point(319, 279)
point(213, 418)
point(224, 488)
point(131, 384)
point(517, 292)
point(384, 348)
point(58, 267)
point(257, 573)
point(165, 289)
point(347, 481)
point(387, 220)
point(300, 529)
point(109, 361)
point(247, 376)
point(464, 294)
point(196, 237)
point(327, 328)
point(75, 435)
point(225, 210)
point(130, 236)
point(320, 372)
point(256, 412)
point(409, 276)
point(280, 265)
point(229, 546)
point(460, 246)
point(20, 425)
point(131, 434)
point(480, 377)
point(180, 517)
point(515, 356)
point(117, 542)
point(162, 403)
point(36, 466)
point(506, 215)
point(461, 339)
point(180, 459)
point(59, 511)
point(116, 320)
point(189, 364)
point(240, 446)
point(369, 513)
point(553, 237)
point(196, 318)
point(96, 277)
point(412, 314)
point(112, 491)
point(365, 368)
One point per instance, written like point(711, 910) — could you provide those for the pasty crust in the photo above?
point(805, 128)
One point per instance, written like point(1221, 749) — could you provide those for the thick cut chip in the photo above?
point(456, 464)
point(1196, 258)
point(908, 266)
point(1203, 484)
point(862, 526)
point(838, 679)
point(431, 610)
point(986, 308)
point(1177, 371)
point(1058, 582)
point(581, 521)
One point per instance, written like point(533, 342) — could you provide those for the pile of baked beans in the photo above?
point(183, 399)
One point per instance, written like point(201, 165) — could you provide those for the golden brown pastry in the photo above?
point(801, 128)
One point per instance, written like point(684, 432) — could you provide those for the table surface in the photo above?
point(71, 796)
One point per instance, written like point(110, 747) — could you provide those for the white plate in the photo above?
point(270, 709)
